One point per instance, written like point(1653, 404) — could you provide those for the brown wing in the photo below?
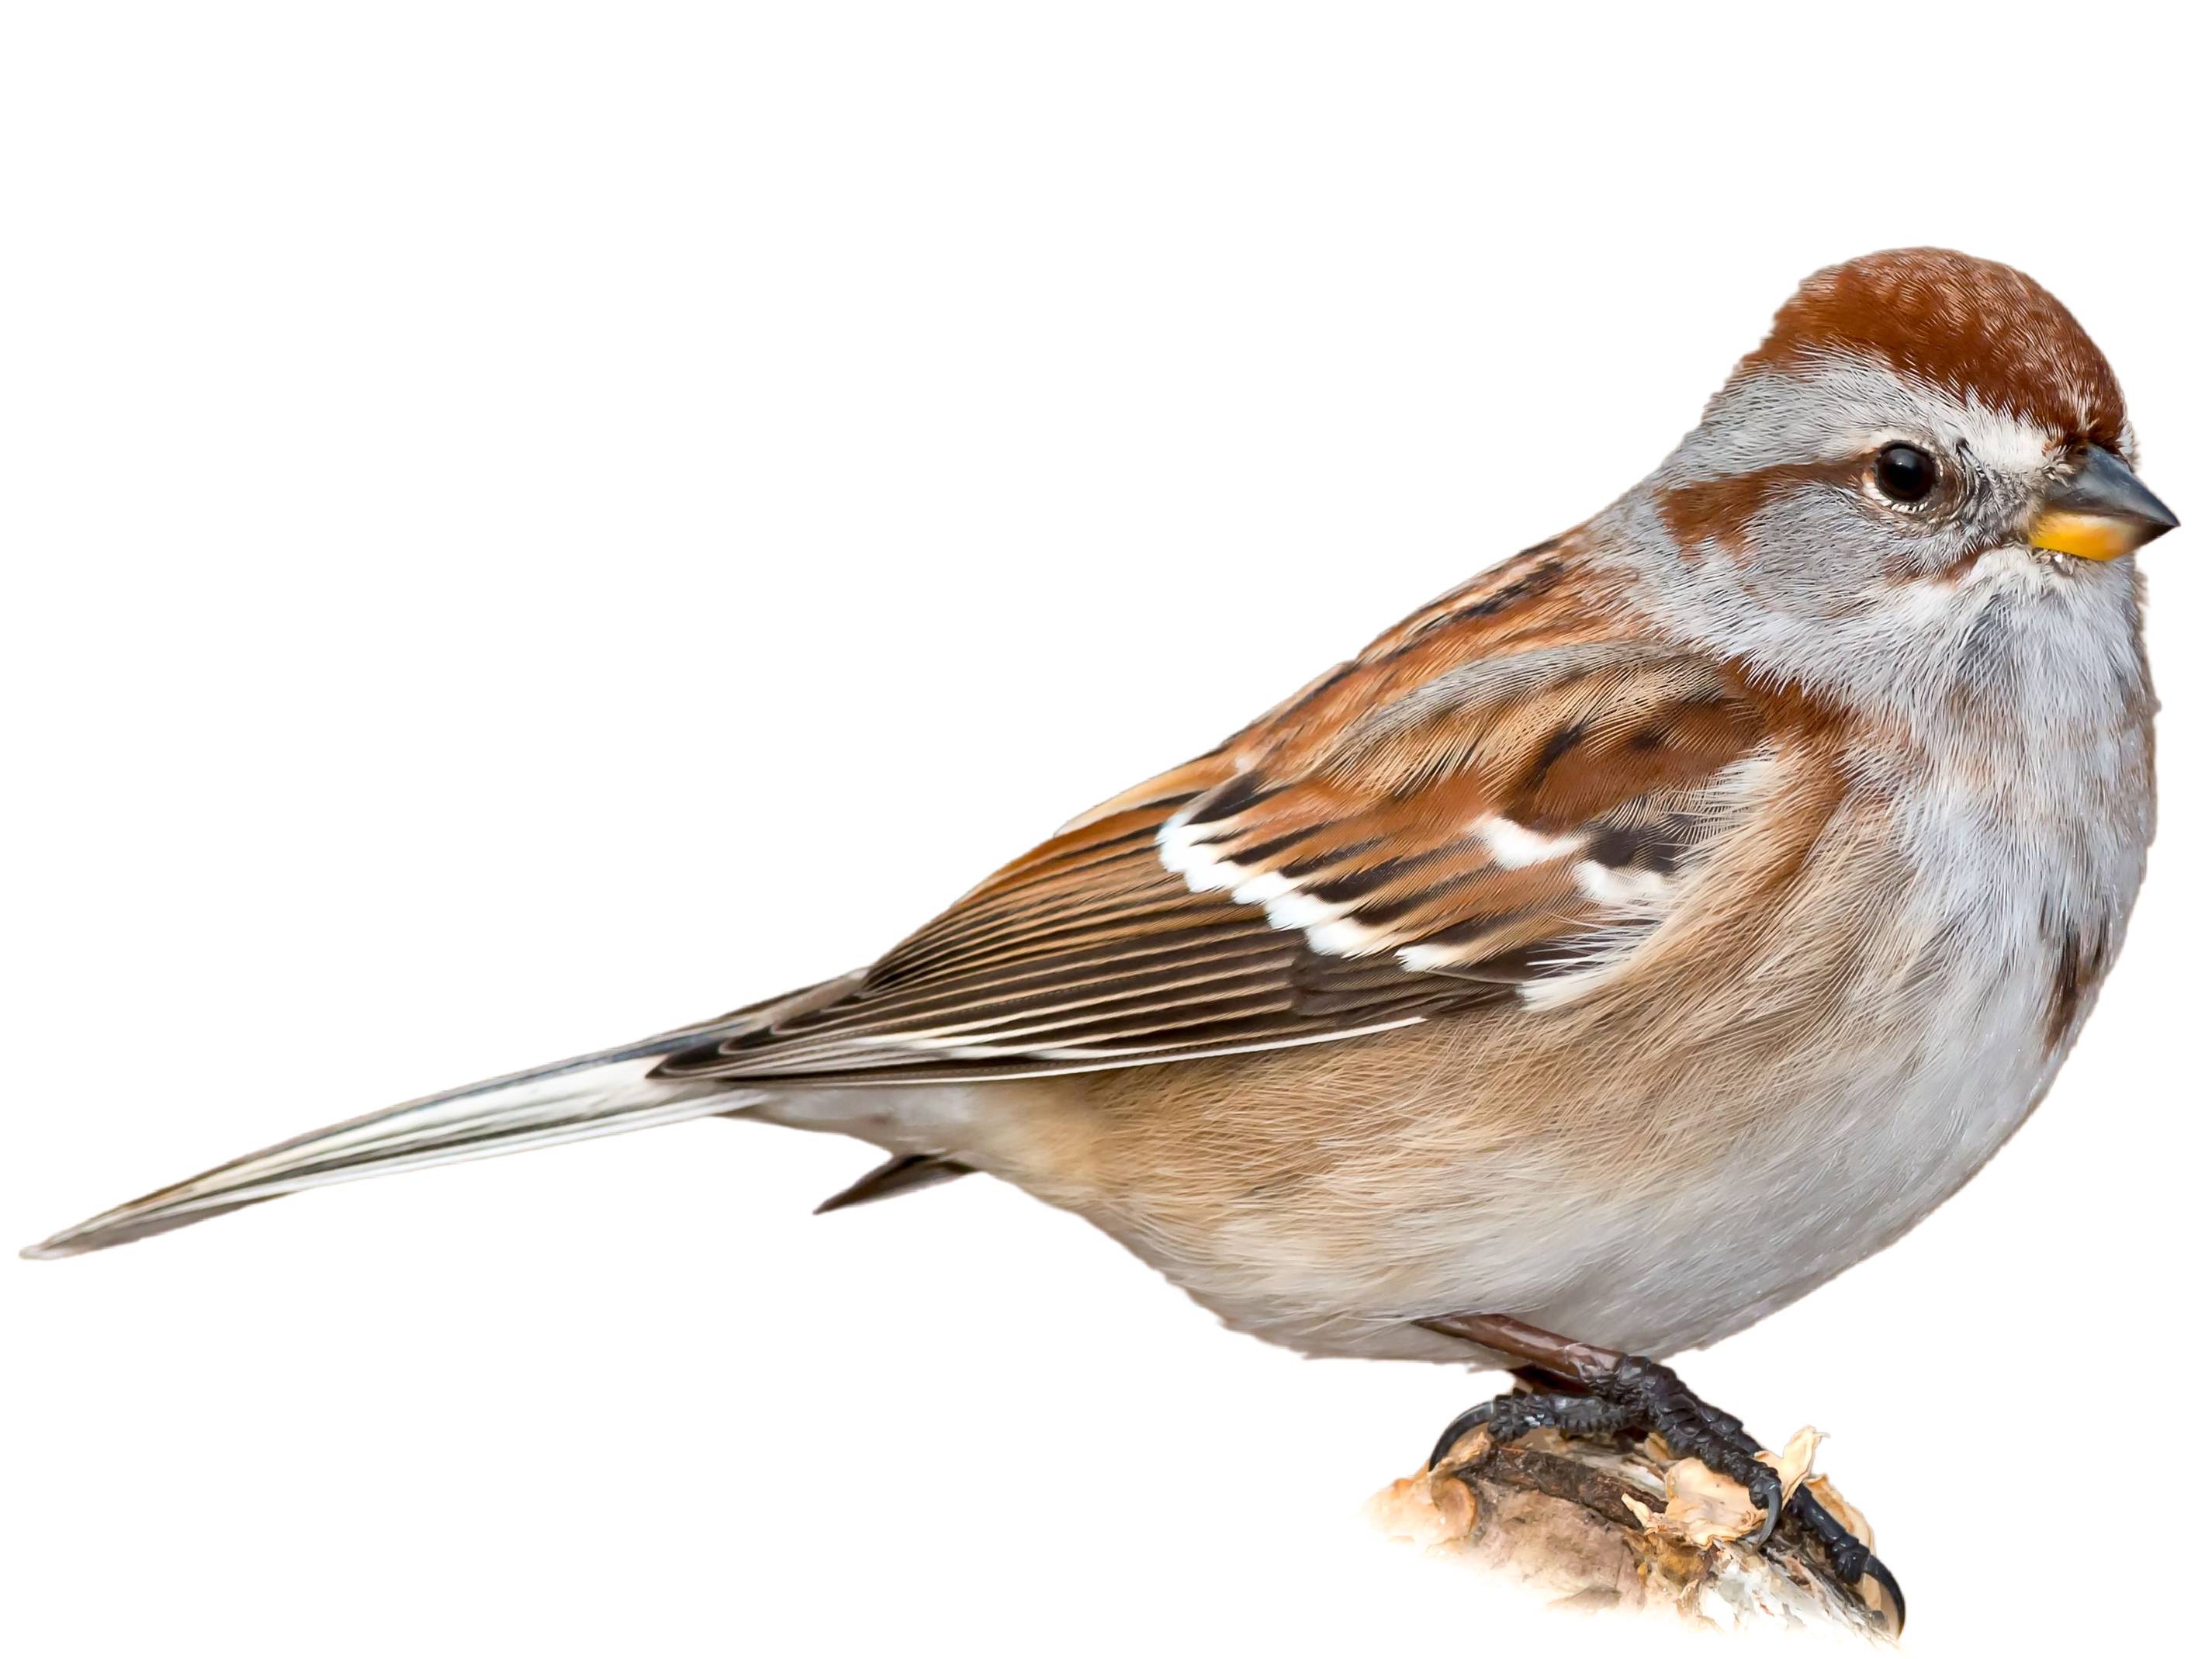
point(1475, 807)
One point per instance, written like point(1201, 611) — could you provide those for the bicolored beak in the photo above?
point(2099, 511)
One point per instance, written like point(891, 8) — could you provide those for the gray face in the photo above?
point(1824, 537)
point(1767, 539)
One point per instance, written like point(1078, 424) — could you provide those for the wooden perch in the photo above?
point(1604, 1525)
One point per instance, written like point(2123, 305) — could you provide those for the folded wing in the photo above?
point(1471, 814)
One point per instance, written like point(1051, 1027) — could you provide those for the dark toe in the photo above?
point(1459, 1428)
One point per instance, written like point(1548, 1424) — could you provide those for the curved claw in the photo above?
point(1890, 1590)
point(1459, 1428)
point(1767, 1492)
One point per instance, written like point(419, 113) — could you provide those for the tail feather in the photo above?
point(608, 1093)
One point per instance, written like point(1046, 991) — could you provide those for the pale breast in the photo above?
point(1939, 954)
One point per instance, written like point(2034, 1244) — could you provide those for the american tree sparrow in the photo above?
point(1608, 954)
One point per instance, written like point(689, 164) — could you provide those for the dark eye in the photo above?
point(1904, 473)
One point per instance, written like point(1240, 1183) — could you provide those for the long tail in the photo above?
point(609, 1093)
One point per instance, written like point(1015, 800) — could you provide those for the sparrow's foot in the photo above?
point(1589, 1391)
point(1636, 1396)
point(1643, 1403)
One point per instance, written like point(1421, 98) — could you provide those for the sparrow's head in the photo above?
point(1912, 413)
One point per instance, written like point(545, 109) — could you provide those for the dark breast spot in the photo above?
point(2080, 965)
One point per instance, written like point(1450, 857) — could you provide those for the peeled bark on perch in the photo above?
point(1605, 1525)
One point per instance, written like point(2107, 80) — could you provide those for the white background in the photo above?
point(525, 525)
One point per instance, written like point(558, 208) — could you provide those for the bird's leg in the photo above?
point(1589, 1392)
